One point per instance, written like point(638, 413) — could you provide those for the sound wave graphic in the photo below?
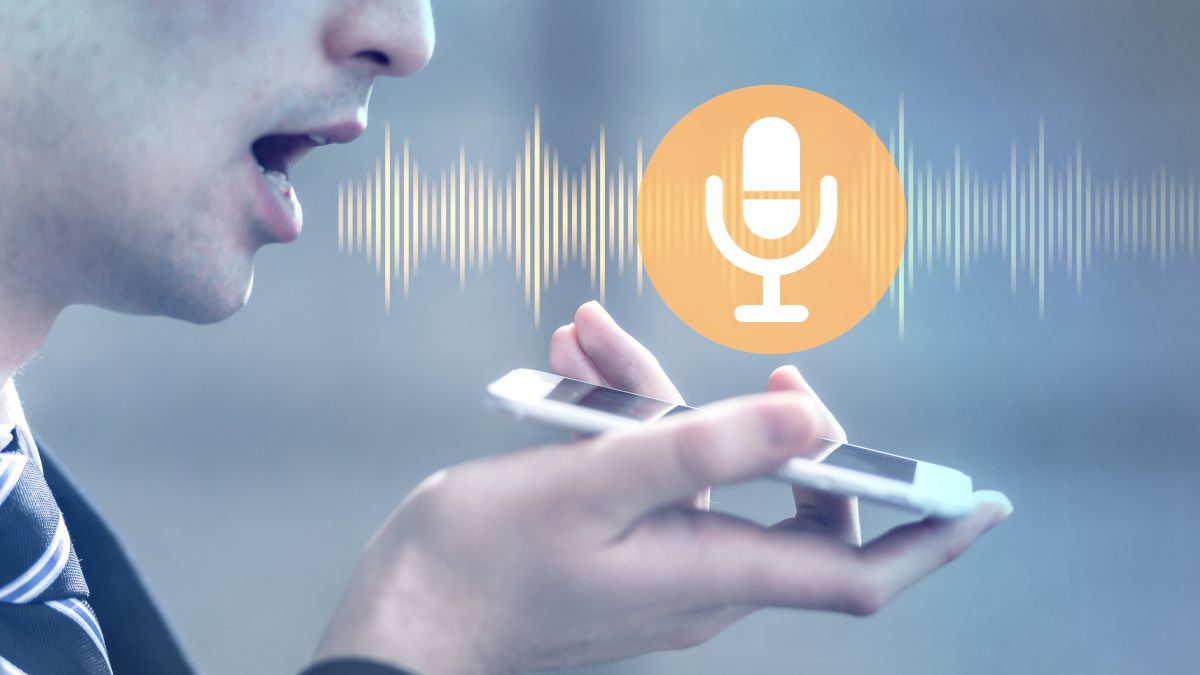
point(540, 216)
point(543, 217)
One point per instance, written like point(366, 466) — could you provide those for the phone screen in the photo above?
point(613, 401)
point(645, 409)
point(873, 462)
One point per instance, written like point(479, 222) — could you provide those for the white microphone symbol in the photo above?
point(770, 163)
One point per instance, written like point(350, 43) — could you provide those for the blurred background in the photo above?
point(266, 450)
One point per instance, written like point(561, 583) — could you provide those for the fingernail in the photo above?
point(1004, 507)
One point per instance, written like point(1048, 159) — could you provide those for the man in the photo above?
point(144, 151)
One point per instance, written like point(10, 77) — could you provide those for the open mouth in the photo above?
point(276, 154)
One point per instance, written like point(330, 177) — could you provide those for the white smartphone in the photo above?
point(848, 470)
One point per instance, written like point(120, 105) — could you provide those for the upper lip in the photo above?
point(280, 150)
point(339, 132)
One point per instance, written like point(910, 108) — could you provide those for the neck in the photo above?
point(26, 318)
point(31, 277)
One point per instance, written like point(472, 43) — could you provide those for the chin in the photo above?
point(210, 299)
point(210, 314)
point(219, 304)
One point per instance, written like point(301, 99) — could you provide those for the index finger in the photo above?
point(621, 359)
point(815, 509)
point(638, 470)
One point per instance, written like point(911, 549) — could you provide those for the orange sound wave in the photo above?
point(541, 216)
point(1040, 216)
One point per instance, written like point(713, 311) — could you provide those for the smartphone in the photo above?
point(848, 470)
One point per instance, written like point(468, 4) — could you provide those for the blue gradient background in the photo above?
point(247, 463)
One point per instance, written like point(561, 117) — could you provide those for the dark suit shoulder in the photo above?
point(137, 635)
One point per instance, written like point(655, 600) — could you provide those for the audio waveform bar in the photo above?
point(1042, 216)
point(541, 216)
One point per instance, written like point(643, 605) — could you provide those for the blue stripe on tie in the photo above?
point(43, 572)
point(85, 613)
point(84, 620)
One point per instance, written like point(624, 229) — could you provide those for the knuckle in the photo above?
point(698, 433)
point(637, 366)
point(430, 505)
point(863, 594)
point(468, 491)
point(789, 416)
point(865, 599)
point(597, 450)
point(430, 492)
point(692, 451)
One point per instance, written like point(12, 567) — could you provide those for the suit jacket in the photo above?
point(137, 635)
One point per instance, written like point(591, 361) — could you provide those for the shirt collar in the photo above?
point(13, 423)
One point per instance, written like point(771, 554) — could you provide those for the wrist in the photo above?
point(392, 614)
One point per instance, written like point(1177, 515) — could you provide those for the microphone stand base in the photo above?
point(771, 313)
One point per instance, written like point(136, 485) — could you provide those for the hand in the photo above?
point(594, 349)
point(581, 552)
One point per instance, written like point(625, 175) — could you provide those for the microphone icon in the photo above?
point(770, 163)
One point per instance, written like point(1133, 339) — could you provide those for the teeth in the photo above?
point(318, 139)
point(278, 181)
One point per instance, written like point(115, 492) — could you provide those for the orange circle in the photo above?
point(711, 246)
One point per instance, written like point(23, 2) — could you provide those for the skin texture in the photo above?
point(596, 549)
point(126, 181)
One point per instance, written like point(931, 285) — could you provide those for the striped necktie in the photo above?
point(46, 624)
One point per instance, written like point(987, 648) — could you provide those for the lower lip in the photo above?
point(284, 217)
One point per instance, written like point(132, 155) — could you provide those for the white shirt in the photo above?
point(12, 422)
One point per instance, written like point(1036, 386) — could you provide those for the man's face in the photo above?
point(146, 143)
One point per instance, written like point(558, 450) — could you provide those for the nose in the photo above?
point(390, 38)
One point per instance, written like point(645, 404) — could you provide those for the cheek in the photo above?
point(211, 225)
point(202, 266)
point(188, 237)
point(195, 198)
